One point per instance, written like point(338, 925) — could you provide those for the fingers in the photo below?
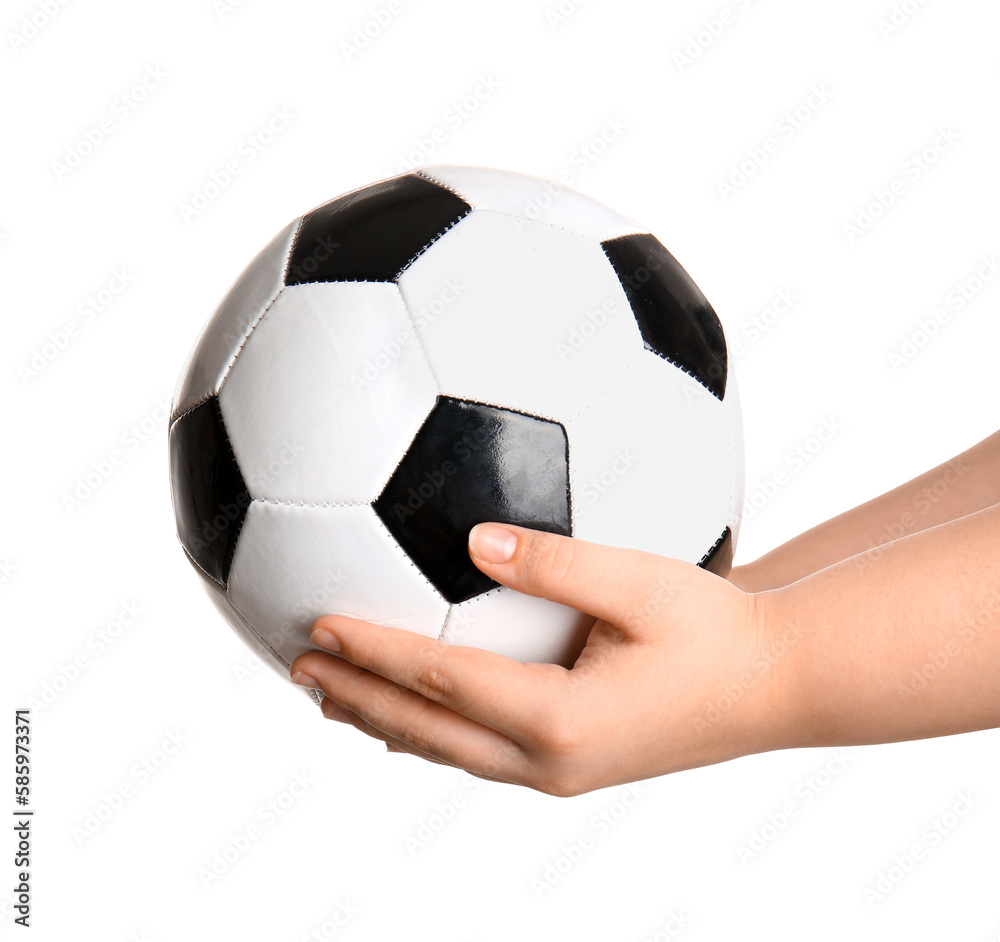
point(612, 583)
point(333, 712)
point(494, 691)
point(413, 723)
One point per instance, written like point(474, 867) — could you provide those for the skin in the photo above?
point(880, 625)
point(967, 483)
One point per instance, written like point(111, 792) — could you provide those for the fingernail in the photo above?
point(323, 638)
point(389, 747)
point(492, 544)
point(333, 712)
point(305, 680)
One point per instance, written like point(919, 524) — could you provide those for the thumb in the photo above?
point(621, 586)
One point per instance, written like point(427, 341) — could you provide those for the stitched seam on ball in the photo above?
point(325, 505)
point(420, 344)
point(569, 485)
point(229, 366)
point(440, 183)
point(615, 380)
point(190, 409)
point(235, 608)
point(290, 252)
point(435, 239)
point(496, 405)
point(467, 604)
point(235, 356)
point(663, 356)
point(357, 189)
point(704, 559)
point(684, 369)
point(344, 281)
point(444, 624)
point(633, 229)
point(195, 562)
point(434, 380)
point(239, 528)
point(493, 405)
point(399, 549)
point(267, 644)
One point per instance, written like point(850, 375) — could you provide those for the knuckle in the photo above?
point(433, 681)
point(500, 759)
point(418, 740)
point(312, 662)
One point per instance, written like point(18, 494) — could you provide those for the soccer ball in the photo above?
point(450, 346)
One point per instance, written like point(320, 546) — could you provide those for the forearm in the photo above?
point(963, 485)
point(900, 642)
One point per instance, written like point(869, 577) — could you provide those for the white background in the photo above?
point(174, 670)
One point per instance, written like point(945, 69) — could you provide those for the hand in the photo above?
point(681, 669)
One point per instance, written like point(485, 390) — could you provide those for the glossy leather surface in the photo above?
point(372, 234)
point(471, 463)
point(568, 338)
point(210, 498)
point(674, 317)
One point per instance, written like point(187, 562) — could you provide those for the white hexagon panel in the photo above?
point(448, 347)
point(521, 283)
point(295, 562)
point(329, 366)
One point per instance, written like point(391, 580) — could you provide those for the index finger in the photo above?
point(491, 689)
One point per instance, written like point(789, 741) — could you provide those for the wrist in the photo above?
point(780, 720)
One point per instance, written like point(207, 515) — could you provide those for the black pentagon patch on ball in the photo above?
point(719, 559)
point(674, 317)
point(374, 233)
point(471, 463)
point(210, 497)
